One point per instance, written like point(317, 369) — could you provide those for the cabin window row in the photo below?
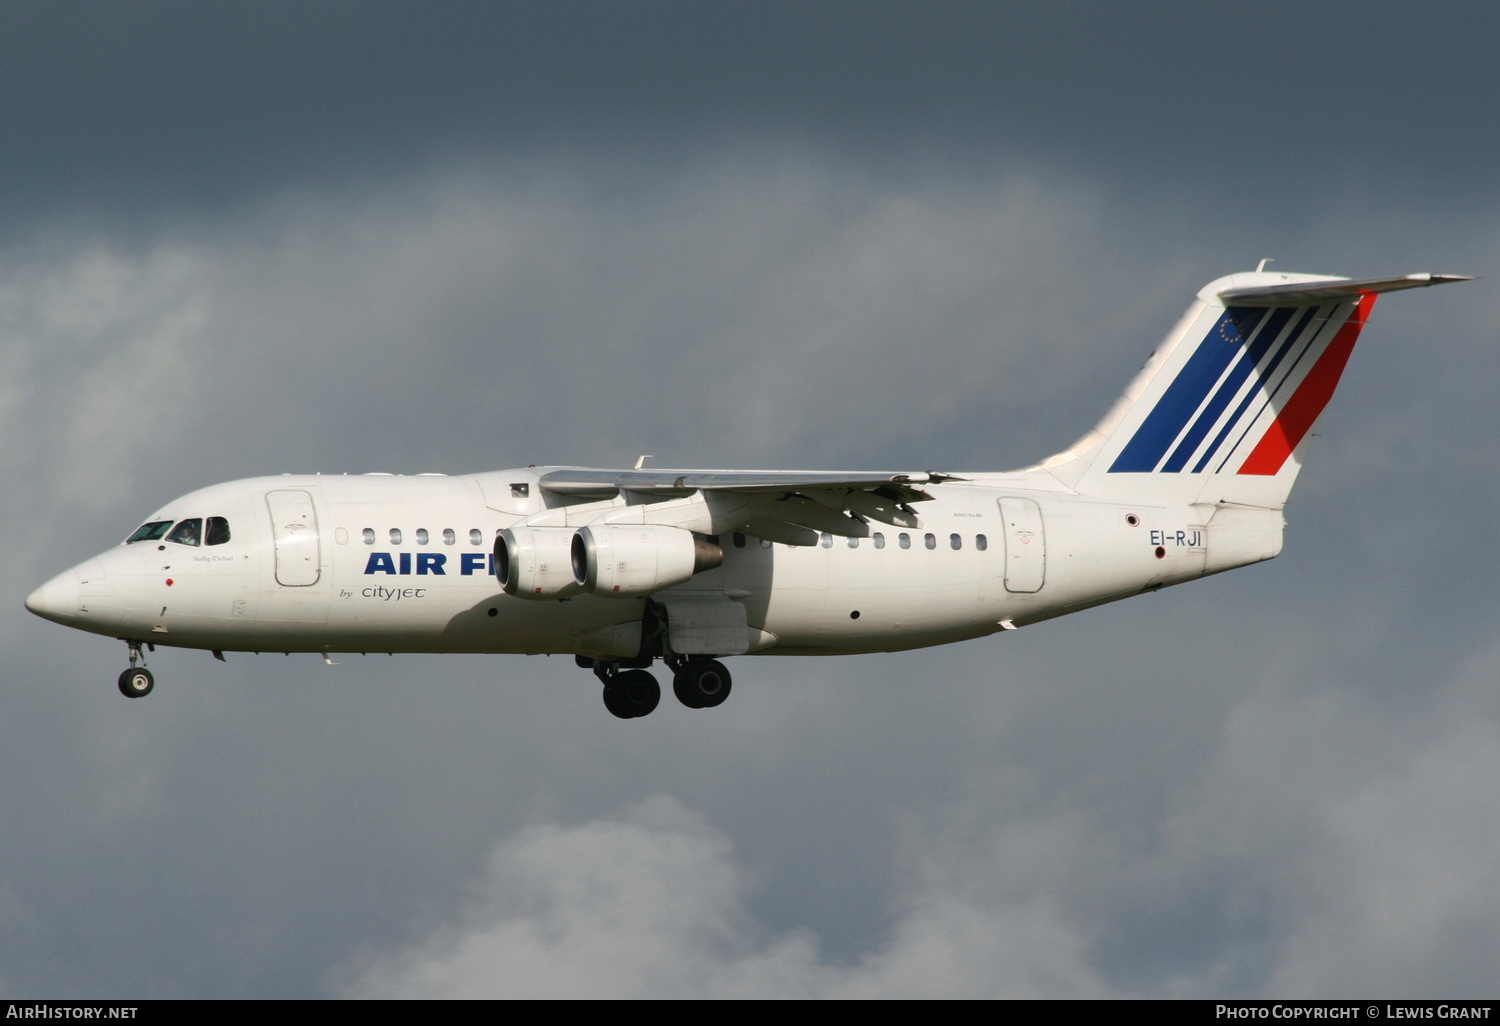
point(877, 539)
point(420, 535)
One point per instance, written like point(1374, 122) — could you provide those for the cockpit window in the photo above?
point(149, 532)
point(218, 531)
point(187, 532)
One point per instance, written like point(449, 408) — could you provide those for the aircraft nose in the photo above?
point(58, 600)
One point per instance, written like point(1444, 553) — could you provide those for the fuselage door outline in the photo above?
point(294, 525)
point(1025, 545)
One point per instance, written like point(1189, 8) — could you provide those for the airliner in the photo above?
point(1186, 475)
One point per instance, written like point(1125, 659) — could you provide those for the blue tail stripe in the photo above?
point(1187, 392)
point(1268, 333)
point(1270, 390)
point(1292, 339)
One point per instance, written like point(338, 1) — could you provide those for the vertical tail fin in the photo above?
point(1221, 410)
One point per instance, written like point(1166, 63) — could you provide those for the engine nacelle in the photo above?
point(619, 561)
point(536, 562)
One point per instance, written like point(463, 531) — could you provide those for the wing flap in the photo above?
point(776, 531)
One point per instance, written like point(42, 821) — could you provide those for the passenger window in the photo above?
point(218, 531)
point(826, 540)
point(739, 540)
point(879, 540)
point(853, 542)
point(368, 534)
point(905, 540)
point(449, 537)
point(421, 536)
point(956, 541)
point(981, 542)
point(930, 540)
point(187, 532)
point(395, 536)
point(149, 532)
point(475, 537)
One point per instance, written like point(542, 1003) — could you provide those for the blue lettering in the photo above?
point(470, 562)
point(406, 562)
point(431, 563)
point(380, 563)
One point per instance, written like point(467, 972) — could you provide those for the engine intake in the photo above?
point(536, 562)
point(620, 561)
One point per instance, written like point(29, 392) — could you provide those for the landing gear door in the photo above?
point(705, 623)
point(294, 525)
point(1025, 545)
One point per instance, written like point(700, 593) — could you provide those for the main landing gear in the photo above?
point(631, 694)
point(698, 682)
point(701, 683)
point(137, 681)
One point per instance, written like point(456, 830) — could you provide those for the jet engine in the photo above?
point(536, 562)
point(618, 560)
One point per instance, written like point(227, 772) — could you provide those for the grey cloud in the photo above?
point(1325, 847)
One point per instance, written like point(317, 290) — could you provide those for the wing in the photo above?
point(786, 506)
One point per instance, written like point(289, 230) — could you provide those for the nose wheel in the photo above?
point(137, 681)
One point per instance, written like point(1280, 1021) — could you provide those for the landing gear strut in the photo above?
point(137, 681)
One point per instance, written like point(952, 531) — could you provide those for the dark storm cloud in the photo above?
point(186, 104)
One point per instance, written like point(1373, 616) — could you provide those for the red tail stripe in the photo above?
point(1297, 418)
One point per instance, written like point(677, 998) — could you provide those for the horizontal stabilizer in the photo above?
point(1308, 292)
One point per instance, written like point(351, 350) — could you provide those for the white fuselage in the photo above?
point(380, 563)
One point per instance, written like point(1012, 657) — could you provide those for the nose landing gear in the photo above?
point(137, 681)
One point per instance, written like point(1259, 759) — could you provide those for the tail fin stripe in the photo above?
point(1262, 377)
point(1308, 400)
point(1314, 343)
point(1186, 393)
point(1221, 412)
point(1228, 388)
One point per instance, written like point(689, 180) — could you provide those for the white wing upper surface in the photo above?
point(787, 506)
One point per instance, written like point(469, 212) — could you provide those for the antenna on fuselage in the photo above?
point(640, 461)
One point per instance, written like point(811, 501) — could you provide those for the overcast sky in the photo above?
point(455, 237)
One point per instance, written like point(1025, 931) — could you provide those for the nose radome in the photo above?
point(58, 599)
